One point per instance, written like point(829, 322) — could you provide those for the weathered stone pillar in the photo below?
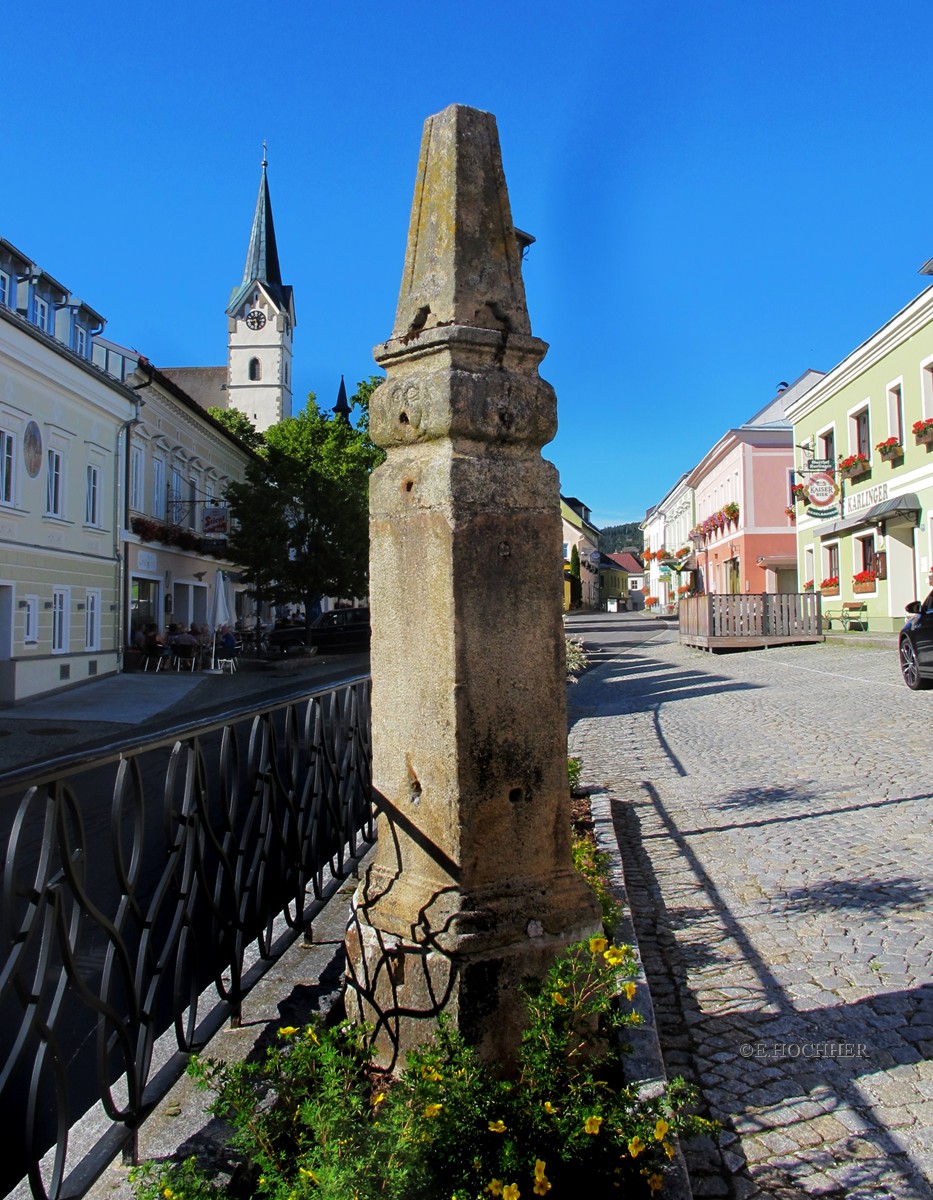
point(472, 889)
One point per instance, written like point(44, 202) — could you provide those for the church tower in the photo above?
point(261, 318)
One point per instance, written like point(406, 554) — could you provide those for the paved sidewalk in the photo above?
point(775, 810)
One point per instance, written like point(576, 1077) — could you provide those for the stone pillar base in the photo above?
point(399, 986)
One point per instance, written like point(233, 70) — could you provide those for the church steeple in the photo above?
point(261, 316)
point(262, 256)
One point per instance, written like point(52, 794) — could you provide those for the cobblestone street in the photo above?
point(774, 810)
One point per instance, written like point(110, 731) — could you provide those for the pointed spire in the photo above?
point(262, 257)
point(342, 407)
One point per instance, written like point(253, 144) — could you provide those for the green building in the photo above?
point(862, 490)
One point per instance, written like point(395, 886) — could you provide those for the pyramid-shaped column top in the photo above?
point(462, 263)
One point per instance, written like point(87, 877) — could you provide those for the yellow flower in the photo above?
point(310, 1174)
point(635, 1146)
point(598, 945)
point(494, 1187)
point(549, 1108)
point(497, 1127)
point(655, 1182)
point(431, 1110)
point(379, 1099)
point(668, 1149)
point(660, 1130)
point(288, 1031)
point(168, 1193)
point(629, 989)
point(477, 1164)
point(309, 1032)
point(542, 1183)
point(592, 1124)
point(559, 999)
point(510, 1192)
point(613, 957)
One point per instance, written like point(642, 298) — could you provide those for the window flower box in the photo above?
point(808, 586)
point(890, 449)
point(854, 466)
point(830, 585)
point(923, 430)
point(799, 493)
point(864, 581)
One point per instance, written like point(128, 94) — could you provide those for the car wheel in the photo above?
point(910, 668)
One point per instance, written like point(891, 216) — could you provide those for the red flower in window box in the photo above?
point(853, 464)
point(890, 448)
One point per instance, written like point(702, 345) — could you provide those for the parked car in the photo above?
point(915, 644)
point(341, 630)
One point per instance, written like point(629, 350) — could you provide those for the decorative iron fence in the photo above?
point(135, 881)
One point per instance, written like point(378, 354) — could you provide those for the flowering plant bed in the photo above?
point(808, 586)
point(863, 581)
point(890, 448)
point(315, 1119)
point(650, 601)
point(731, 511)
point(854, 465)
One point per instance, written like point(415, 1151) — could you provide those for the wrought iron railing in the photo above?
point(142, 877)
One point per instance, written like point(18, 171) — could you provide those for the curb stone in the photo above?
point(645, 1063)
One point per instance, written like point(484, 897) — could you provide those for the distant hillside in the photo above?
point(614, 538)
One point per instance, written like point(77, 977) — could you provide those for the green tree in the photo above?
point(362, 396)
point(621, 537)
point(301, 516)
point(239, 425)
point(574, 562)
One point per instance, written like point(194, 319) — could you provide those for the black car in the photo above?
point(344, 629)
point(915, 644)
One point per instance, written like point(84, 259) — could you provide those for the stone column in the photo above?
point(472, 889)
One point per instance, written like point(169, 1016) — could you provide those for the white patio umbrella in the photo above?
point(221, 611)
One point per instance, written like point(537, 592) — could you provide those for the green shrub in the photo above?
point(315, 1121)
point(593, 865)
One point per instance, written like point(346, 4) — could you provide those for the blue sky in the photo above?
point(723, 195)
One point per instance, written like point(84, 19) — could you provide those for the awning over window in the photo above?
point(900, 506)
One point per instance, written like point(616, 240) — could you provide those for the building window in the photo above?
point(808, 565)
point(255, 370)
point(60, 630)
point(286, 374)
point(865, 553)
point(860, 433)
point(92, 496)
point(7, 466)
point(42, 314)
point(4, 288)
point(81, 341)
point(178, 509)
point(92, 621)
point(896, 412)
point(158, 488)
point(31, 620)
point(54, 495)
point(831, 561)
point(826, 444)
point(137, 468)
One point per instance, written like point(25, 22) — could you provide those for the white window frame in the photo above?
point(858, 553)
point(926, 388)
point(7, 468)
point(137, 478)
point(177, 504)
point(61, 620)
point(92, 620)
point(81, 341)
point(42, 314)
point(820, 448)
point(809, 568)
point(894, 394)
point(4, 289)
point(853, 416)
point(55, 482)
point(827, 550)
point(30, 620)
point(93, 496)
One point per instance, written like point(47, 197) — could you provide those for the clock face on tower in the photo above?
point(255, 319)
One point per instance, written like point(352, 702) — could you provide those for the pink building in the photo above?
point(745, 539)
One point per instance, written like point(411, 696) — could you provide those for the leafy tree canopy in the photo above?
point(615, 538)
point(239, 425)
point(362, 396)
point(302, 513)
point(574, 562)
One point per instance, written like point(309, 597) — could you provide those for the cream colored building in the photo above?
point(63, 427)
point(180, 463)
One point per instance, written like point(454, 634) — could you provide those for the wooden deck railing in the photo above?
point(767, 619)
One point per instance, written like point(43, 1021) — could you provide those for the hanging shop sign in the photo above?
point(822, 494)
point(215, 520)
